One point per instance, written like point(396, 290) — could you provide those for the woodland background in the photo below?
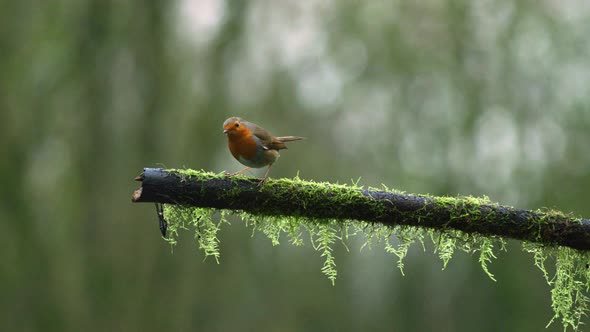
point(442, 97)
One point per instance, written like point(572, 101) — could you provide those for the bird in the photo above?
point(252, 145)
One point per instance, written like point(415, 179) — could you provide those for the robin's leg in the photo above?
point(265, 176)
point(238, 172)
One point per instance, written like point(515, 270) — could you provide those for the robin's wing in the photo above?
point(268, 141)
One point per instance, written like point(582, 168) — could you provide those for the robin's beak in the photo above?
point(225, 131)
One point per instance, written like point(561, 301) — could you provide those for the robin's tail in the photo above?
point(289, 138)
point(278, 143)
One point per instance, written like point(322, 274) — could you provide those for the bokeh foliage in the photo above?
point(449, 97)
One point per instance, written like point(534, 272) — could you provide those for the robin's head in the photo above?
point(234, 127)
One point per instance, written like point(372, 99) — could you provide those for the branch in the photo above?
point(324, 200)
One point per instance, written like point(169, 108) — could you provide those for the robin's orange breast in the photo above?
point(242, 146)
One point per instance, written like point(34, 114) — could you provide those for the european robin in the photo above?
point(252, 145)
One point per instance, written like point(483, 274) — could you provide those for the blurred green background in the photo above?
point(442, 97)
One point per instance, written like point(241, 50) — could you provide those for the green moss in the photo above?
point(445, 244)
point(326, 236)
point(486, 253)
point(568, 285)
point(406, 237)
point(201, 221)
point(199, 174)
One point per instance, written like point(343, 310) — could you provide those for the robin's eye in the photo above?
point(237, 125)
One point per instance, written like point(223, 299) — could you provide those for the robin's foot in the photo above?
point(262, 182)
point(265, 176)
point(236, 173)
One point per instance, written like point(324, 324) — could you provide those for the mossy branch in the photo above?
point(291, 207)
point(326, 201)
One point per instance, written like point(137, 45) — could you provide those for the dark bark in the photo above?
point(293, 198)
